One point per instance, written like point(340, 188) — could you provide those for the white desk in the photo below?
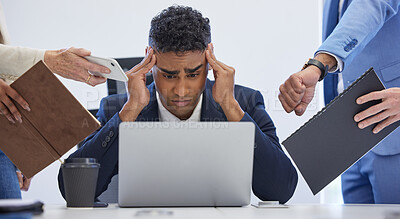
point(317, 212)
point(293, 211)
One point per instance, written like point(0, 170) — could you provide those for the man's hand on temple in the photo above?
point(223, 89)
point(298, 90)
point(384, 113)
point(69, 63)
point(138, 94)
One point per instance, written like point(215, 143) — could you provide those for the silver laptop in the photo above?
point(185, 164)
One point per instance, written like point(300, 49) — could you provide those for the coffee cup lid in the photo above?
point(81, 160)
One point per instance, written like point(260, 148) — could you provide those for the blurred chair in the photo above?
point(118, 87)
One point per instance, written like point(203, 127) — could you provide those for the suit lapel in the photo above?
point(346, 4)
point(330, 17)
point(330, 20)
point(210, 110)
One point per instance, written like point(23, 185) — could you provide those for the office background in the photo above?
point(265, 41)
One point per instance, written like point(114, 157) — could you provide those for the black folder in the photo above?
point(20, 206)
point(330, 142)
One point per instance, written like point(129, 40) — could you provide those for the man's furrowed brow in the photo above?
point(169, 72)
point(193, 69)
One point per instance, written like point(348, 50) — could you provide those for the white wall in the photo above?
point(264, 40)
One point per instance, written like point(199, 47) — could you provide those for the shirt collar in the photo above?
point(166, 116)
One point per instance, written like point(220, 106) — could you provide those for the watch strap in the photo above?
point(319, 65)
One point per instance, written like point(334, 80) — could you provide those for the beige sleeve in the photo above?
point(4, 36)
point(14, 61)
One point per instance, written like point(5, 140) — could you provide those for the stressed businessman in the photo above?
point(179, 55)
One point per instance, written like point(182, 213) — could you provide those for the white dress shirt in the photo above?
point(166, 116)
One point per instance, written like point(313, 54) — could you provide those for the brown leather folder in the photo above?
point(55, 124)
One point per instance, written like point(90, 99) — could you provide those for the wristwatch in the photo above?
point(319, 65)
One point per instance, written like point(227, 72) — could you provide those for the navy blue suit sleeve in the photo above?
point(102, 145)
point(274, 176)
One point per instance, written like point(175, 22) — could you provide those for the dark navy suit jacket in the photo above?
point(274, 177)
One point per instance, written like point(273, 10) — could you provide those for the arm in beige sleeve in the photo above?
point(14, 61)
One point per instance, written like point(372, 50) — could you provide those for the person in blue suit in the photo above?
point(359, 34)
point(179, 55)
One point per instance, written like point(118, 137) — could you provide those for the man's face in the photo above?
point(180, 80)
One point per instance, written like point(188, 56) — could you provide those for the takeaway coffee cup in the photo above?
point(80, 179)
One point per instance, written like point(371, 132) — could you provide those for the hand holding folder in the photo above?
point(330, 142)
point(56, 122)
